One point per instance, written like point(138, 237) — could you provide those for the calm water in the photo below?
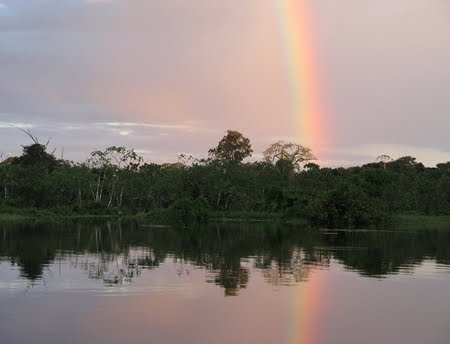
point(112, 282)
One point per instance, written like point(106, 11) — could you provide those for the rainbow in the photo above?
point(308, 308)
point(307, 108)
point(295, 30)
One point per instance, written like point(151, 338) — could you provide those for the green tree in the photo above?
point(108, 165)
point(233, 147)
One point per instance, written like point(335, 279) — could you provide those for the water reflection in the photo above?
point(117, 252)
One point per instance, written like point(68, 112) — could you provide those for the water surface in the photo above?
point(116, 282)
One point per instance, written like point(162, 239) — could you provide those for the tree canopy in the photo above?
point(116, 180)
point(233, 147)
point(288, 153)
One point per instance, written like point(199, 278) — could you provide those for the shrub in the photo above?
point(189, 211)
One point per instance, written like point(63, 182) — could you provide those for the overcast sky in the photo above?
point(172, 76)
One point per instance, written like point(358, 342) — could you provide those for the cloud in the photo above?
point(122, 132)
point(147, 125)
point(93, 2)
point(4, 11)
point(16, 125)
point(180, 73)
point(159, 142)
point(125, 128)
point(143, 151)
point(71, 127)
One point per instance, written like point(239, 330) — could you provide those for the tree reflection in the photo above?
point(32, 254)
point(232, 279)
point(117, 253)
point(298, 268)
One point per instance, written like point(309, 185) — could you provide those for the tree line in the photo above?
point(286, 182)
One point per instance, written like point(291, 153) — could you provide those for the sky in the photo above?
point(170, 77)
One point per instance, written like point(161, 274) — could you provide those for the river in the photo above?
point(131, 282)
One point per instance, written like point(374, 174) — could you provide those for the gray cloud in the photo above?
point(163, 76)
point(387, 70)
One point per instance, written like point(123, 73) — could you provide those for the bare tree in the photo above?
point(290, 152)
point(384, 159)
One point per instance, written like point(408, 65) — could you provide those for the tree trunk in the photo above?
point(79, 192)
point(218, 199)
point(112, 194)
point(121, 197)
point(228, 198)
point(97, 191)
point(101, 186)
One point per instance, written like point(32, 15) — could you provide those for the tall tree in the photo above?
point(36, 154)
point(282, 153)
point(384, 159)
point(109, 166)
point(233, 147)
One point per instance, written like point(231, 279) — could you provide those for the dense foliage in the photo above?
point(117, 181)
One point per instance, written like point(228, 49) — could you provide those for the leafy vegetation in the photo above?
point(286, 184)
point(421, 222)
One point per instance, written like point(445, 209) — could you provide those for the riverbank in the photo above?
point(418, 222)
point(402, 222)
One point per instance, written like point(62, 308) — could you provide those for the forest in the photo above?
point(286, 184)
